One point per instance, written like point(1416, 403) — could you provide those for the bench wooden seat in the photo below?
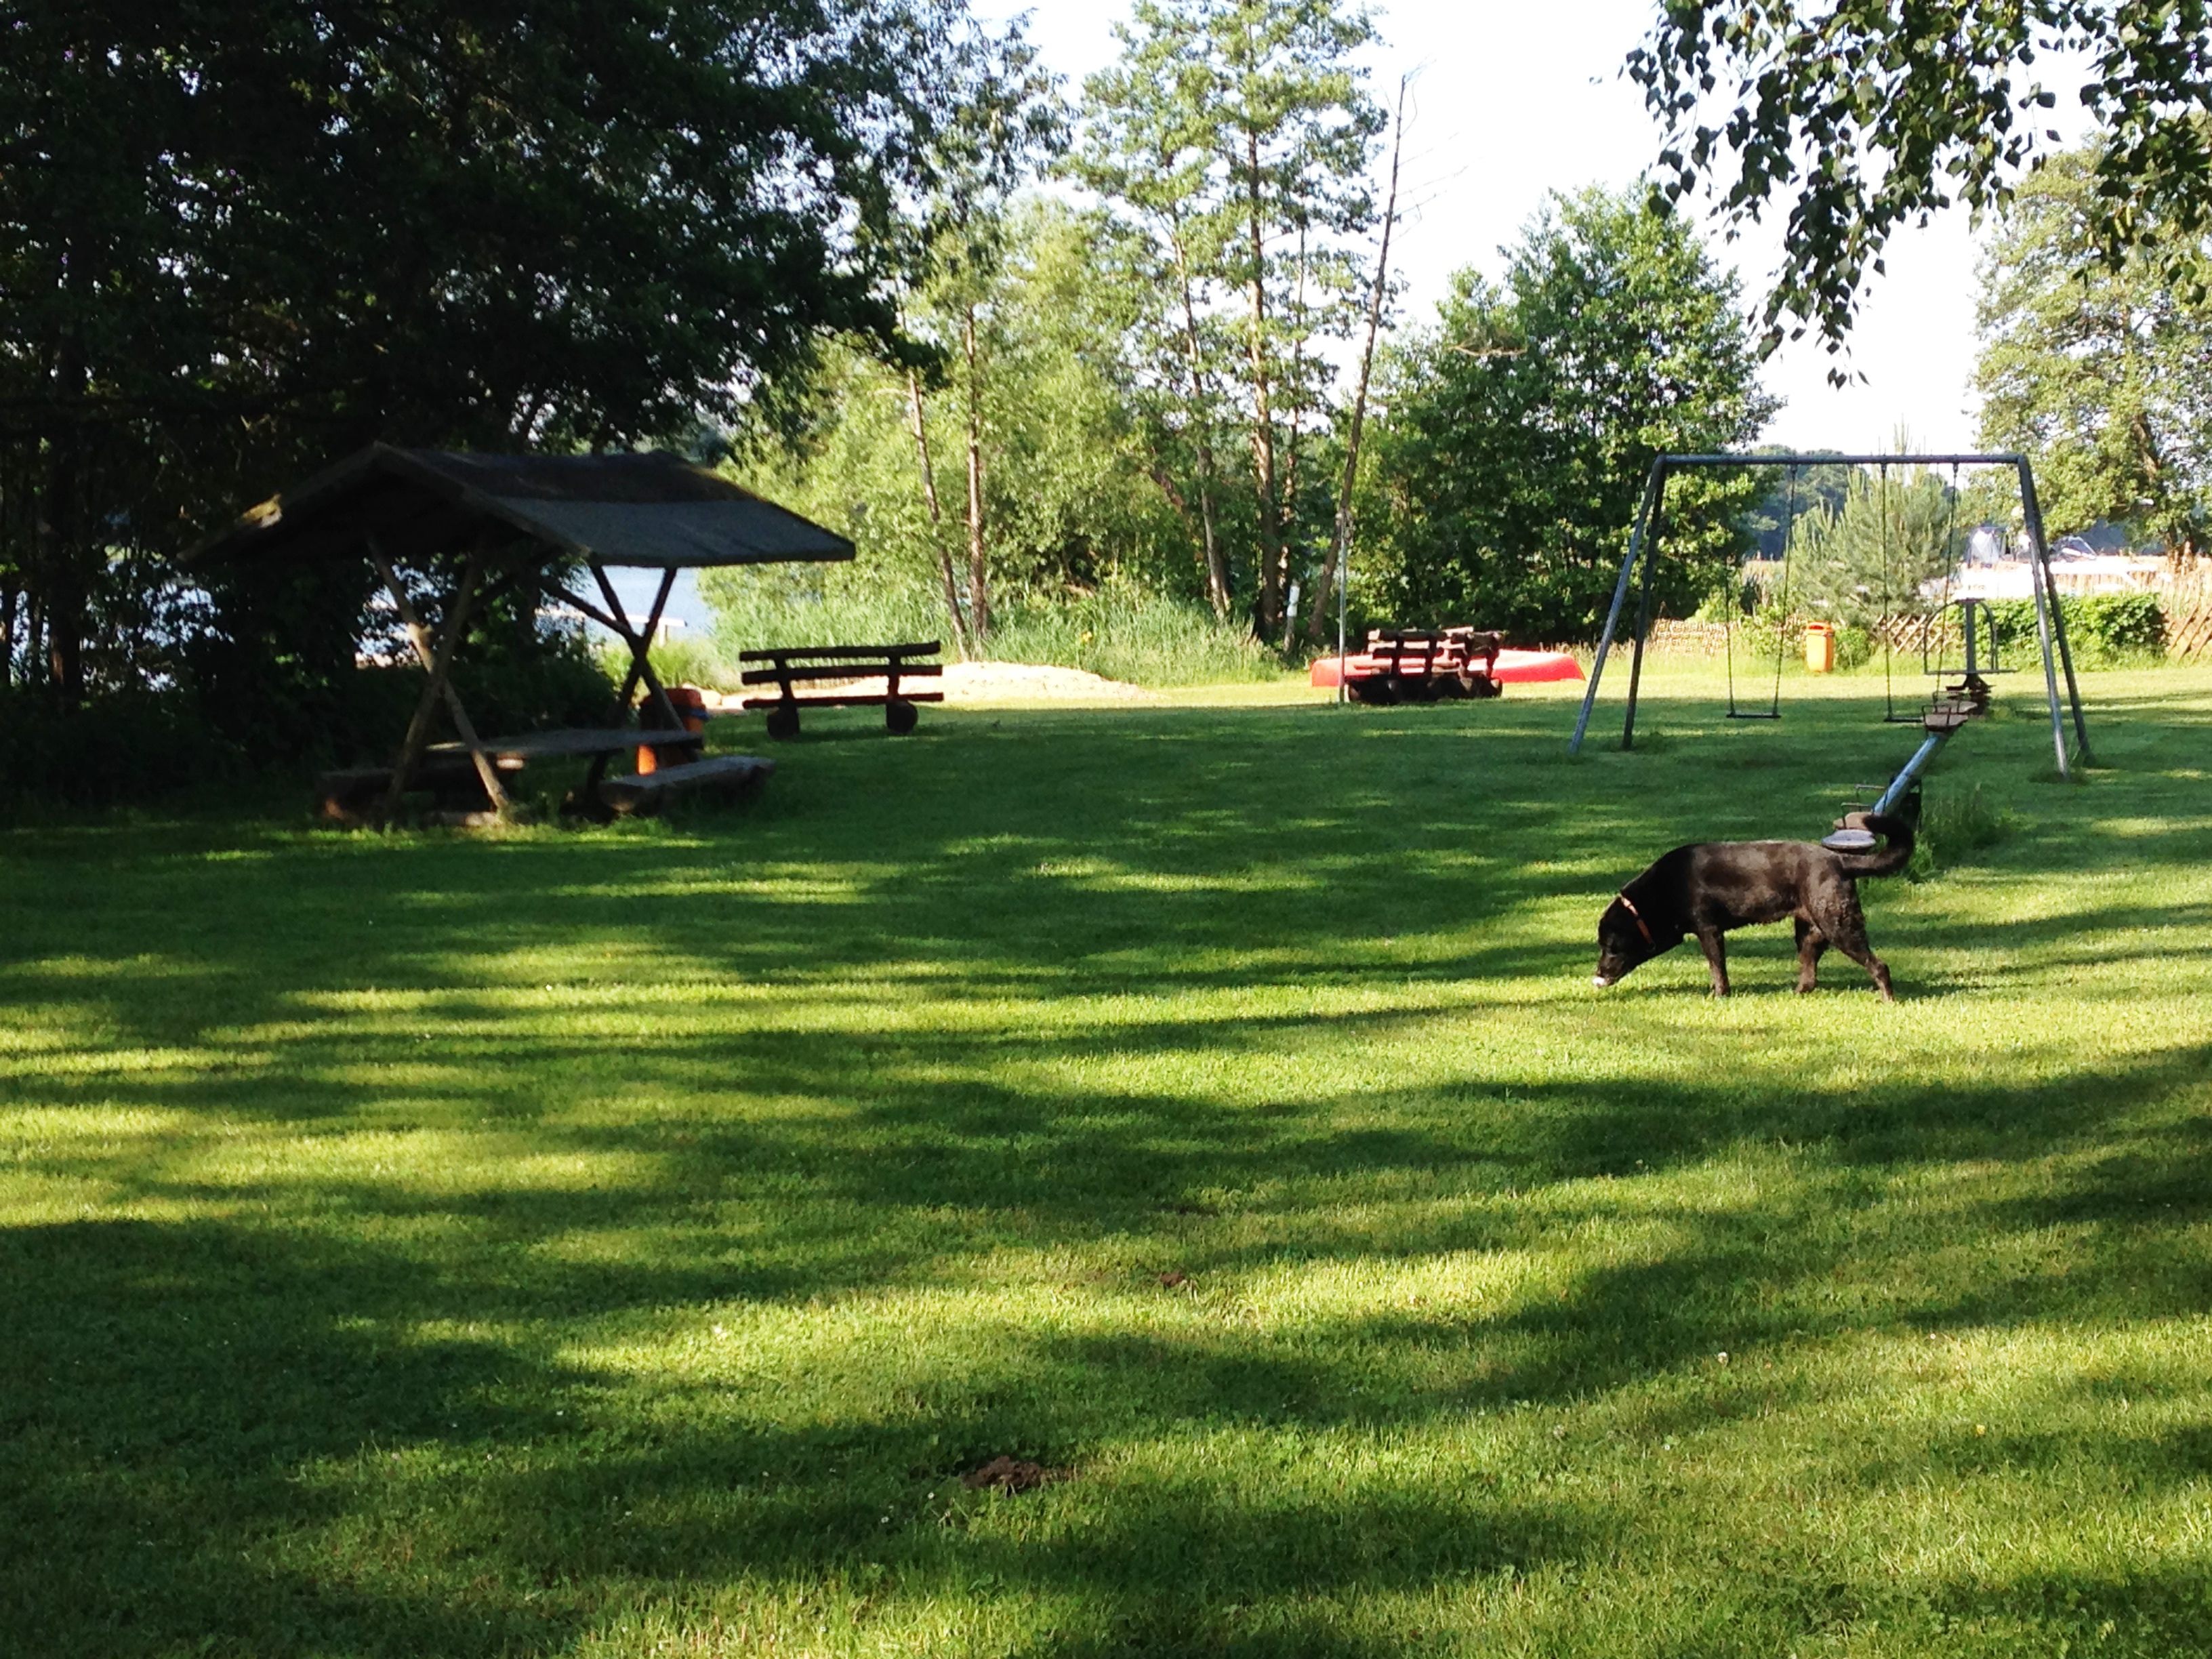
point(723, 777)
point(836, 667)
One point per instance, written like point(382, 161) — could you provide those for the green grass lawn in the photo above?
point(621, 1242)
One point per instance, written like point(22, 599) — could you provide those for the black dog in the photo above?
point(1708, 888)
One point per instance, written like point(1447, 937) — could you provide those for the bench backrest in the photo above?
point(878, 653)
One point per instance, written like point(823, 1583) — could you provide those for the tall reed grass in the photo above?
point(1145, 639)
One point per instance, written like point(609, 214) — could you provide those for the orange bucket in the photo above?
point(690, 706)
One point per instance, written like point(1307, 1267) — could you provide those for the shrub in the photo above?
point(2102, 630)
point(123, 747)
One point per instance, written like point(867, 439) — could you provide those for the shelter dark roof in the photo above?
point(654, 511)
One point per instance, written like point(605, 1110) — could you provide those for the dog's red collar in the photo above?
point(1636, 916)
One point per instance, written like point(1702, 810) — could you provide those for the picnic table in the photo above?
point(1421, 665)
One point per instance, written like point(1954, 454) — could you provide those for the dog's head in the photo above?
point(1625, 942)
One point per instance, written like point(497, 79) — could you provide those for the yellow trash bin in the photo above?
point(1819, 649)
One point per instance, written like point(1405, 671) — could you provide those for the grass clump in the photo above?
point(1145, 639)
point(1955, 825)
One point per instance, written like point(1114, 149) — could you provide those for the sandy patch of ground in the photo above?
point(1029, 682)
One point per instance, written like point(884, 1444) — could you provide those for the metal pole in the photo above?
point(1620, 597)
point(1643, 618)
point(1343, 579)
point(2051, 679)
point(1911, 770)
point(2032, 509)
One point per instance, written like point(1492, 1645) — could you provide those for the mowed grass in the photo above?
point(620, 1242)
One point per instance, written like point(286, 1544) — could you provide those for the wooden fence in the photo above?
point(2187, 599)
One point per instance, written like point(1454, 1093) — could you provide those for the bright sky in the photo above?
point(1514, 100)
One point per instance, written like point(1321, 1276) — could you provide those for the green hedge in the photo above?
point(2100, 628)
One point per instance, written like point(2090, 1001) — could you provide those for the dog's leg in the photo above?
point(1811, 942)
point(1848, 932)
point(1716, 950)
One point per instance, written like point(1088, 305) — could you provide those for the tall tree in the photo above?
point(237, 239)
point(1863, 118)
point(2097, 370)
point(1895, 533)
point(1522, 426)
point(1006, 121)
point(1145, 150)
point(1252, 118)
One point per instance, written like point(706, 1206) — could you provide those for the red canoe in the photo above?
point(1514, 668)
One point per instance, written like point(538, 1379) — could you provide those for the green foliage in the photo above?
point(1956, 824)
point(2102, 630)
point(679, 659)
point(257, 235)
point(1520, 428)
point(1121, 631)
point(2097, 370)
point(1864, 119)
point(1069, 501)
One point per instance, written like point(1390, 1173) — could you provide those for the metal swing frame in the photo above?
point(1644, 542)
point(1774, 709)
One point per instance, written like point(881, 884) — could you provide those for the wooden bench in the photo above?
point(719, 777)
point(834, 668)
point(1420, 665)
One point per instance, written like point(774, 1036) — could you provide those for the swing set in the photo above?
point(1967, 695)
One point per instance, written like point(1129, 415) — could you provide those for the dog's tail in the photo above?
point(1896, 852)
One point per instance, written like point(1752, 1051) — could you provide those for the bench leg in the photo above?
point(899, 716)
point(783, 721)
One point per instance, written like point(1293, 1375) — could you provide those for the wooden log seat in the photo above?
point(836, 670)
point(719, 777)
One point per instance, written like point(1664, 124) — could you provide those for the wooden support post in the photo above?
point(640, 662)
point(641, 645)
point(437, 659)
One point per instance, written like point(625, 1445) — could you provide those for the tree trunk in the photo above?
point(10, 598)
point(952, 610)
point(1201, 420)
point(66, 594)
point(1340, 537)
point(1295, 399)
point(1268, 610)
point(979, 574)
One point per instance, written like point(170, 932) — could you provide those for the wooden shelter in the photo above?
point(523, 521)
